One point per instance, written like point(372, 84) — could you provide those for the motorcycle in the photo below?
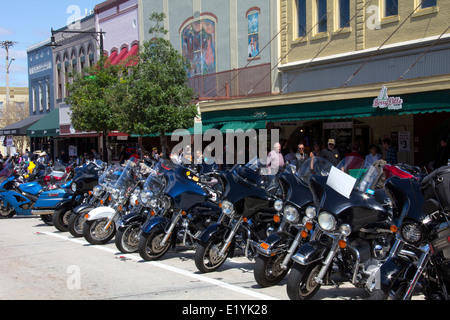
point(86, 177)
point(352, 237)
point(149, 205)
point(190, 205)
point(420, 258)
point(247, 216)
point(100, 224)
point(297, 210)
point(20, 198)
point(99, 196)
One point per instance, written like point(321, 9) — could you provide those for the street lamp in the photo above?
point(93, 34)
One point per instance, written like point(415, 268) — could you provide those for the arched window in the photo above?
point(198, 43)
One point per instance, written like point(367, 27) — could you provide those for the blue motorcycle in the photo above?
point(18, 199)
point(191, 203)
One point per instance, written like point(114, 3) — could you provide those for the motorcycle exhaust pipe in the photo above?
point(42, 212)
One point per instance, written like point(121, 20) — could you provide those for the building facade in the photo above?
point(337, 57)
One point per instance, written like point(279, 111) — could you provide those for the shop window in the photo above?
point(253, 34)
point(344, 13)
point(301, 18)
point(390, 8)
point(198, 42)
point(321, 15)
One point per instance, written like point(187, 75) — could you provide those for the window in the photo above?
point(48, 96)
point(428, 3)
point(253, 35)
point(41, 98)
point(1, 110)
point(301, 18)
point(344, 13)
point(390, 8)
point(20, 110)
point(321, 6)
point(35, 99)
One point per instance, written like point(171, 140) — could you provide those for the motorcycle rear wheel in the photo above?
point(268, 271)
point(301, 284)
point(150, 248)
point(94, 233)
point(207, 258)
point(6, 211)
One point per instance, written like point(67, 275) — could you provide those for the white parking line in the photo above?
point(215, 282)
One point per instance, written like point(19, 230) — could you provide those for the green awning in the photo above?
point(198, 128)
point(243, 125)
point(424, 102)
point(48, 126)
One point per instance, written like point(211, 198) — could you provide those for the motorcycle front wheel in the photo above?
point(48, 219)
point(207, 255)
point(268, 271)
point(150, 247)
point(6, 211)
point(127, 239)
point(94, 231)
point(75, 226)
point(301, 284)
point(61, 219)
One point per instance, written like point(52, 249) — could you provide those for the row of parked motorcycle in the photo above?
point(381, 227)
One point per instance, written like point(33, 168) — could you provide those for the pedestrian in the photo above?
point(443, 153)
point(64, 157)
point(373, 155)
point(330, 153)
point(391, 153)
point(300, 155)
point(317, 150)
point(94, 154)
point(275, 158)
point(155, 154)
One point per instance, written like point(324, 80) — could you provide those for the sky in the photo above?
point(29, 22)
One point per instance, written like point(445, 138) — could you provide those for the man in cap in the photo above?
point(330, 153)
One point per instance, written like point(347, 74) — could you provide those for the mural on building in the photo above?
point(199, 47)
point(253, 35)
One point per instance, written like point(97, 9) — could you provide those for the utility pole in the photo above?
point(6, 45)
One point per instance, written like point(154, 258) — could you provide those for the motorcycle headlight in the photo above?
point(411, 232)
point(278, 205)
point(291, 214)
point(326, 221)
point(115, 193)
point(74, 186)
point(144, 197)
point(345, 230)
point(136, 192)
point(97, 191)
point(227, 208)
point(310, 212)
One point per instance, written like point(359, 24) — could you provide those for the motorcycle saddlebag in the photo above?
point(436, 186)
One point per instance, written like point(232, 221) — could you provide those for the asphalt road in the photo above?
point(38, 262)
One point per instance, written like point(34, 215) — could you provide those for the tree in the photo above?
point(89, 98)
point(154, 96)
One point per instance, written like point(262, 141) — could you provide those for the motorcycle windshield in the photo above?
point(313, 166)
point(127, 176)
point(8, 169)
point(110, 175)
point(155, 181)
point(254, 173)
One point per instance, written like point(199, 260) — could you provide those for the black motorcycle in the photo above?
point(100, 195)
point(419, 262)
point(85, 179)
point(297, 209)
point(190, 204)
point(353, 236)
point(247, 216)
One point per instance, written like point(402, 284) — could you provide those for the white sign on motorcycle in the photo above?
point(341, 182)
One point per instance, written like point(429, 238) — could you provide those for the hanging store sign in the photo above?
point(384, 101)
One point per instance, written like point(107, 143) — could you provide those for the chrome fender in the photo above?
point(101, 212)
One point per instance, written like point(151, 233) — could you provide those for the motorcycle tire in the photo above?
point(48, 219)
point(61, 219)
point(268, 271)
point(301, 284)
point(127, 239)
point(149, 247)
point(7, 211)
point(206, 257)
point(75, 226)
point(94, 234)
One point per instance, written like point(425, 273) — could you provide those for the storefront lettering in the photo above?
point(384, 101)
